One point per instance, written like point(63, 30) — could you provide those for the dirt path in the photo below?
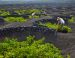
point(66, 42)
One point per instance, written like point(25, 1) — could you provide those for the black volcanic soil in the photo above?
point(66, 42)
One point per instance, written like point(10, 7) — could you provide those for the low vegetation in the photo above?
point(59, 28)
point(49, 25)
point(30, 48)
point(36, 17)
point(65, 29)
point(15, 19)
point(71, 20)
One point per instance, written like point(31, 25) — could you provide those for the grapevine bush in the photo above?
point(57, 27)
point(71, 20)
point(15, 19)
point(30, 48)
point(4, 14)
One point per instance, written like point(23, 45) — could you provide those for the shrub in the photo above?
point(28, 49)
point(4, 13)
point(15, 19)
point(36, 17)
point(49, 25)
point(67, 29)
point(68, 56)
point(29, 11)
point(59, 28)
point(71, 20)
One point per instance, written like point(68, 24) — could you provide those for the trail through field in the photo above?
point(66, 42)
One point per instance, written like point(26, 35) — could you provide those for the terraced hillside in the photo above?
point(65, 41)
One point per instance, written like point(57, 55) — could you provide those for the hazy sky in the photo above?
point(34, 0)
point(43, 0)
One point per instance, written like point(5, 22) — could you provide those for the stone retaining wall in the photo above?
point(22, 32)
